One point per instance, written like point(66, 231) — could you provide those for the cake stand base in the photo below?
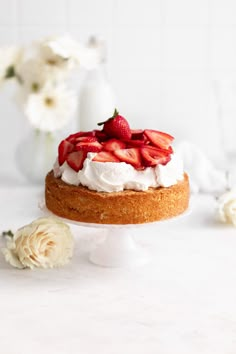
point(119, 249)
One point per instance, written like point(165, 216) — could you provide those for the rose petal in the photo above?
point(12, 258)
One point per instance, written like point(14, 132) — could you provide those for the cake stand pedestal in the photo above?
point(118, 249)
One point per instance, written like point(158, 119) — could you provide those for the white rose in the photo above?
point(226, 210)
point(45, 243)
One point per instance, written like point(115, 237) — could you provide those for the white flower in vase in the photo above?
point(51, 108)
point(33, 75)
point(10, 57)
point(63, 46)
point(59, 52)
point(67, 53)
point(42, 71)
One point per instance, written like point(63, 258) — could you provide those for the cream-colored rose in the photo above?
point(226, 210)
point(45, 243)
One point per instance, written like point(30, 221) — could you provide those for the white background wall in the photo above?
point(163, 58)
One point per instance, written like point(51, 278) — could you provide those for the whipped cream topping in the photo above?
point(115, 177)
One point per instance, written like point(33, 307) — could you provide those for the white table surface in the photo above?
point(183, 301)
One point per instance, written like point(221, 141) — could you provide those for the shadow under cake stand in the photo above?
point(118, 248)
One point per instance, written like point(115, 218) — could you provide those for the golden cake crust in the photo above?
point(78, 203)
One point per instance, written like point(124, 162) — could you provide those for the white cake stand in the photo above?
point(119, 248)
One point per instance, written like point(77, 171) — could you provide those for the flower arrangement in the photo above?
point(41, 71)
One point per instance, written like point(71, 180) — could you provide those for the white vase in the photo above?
point(36, 154)
point(96, 101)
point(97, 98)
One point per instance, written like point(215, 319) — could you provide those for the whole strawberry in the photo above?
point(117, 127)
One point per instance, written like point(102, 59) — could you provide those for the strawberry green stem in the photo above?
point(114, 115)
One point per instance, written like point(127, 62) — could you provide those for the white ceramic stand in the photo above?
point(119, 249)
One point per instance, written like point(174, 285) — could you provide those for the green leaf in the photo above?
point(10, 72)
point(35, 87)
point(7, 233)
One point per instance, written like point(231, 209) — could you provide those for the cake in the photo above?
point(117, 175)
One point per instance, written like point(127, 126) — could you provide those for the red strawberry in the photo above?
point(134, 143)
point(72, 138)
point(159, 139)
point(137, 134)
point(113, 144)
point(105, 156)
point(159, 150)
point(152, 156)
point(131, 156)
point(93, 146)
point(76, 159)
point(117, 127)
point(100, 135)
point(64, 148)
point(85, 139)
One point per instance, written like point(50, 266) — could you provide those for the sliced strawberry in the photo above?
point(152, 156)
point(105, 156)
point(64, 148)
point(137, 134)
point(162, 152)
point(93, 146)
point(131, 156)
point(113, 144)
point(86, 139)
point(134, 143)
point(76, 159)
point(100, 135)
point(72, 138)
point(159, 139)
